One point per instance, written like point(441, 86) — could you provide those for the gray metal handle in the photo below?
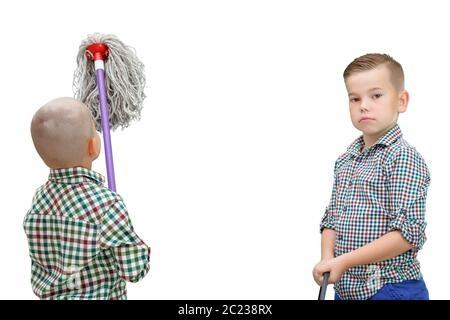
point(323, 287)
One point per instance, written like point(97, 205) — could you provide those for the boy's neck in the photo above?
point(87, 166)
point(370, 140)
point(87, 163)
point(82, 165)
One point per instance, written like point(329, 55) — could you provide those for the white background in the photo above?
point(228, 173)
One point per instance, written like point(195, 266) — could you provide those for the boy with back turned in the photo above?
point(81, 241)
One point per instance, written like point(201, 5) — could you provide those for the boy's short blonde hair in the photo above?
point(373, 60)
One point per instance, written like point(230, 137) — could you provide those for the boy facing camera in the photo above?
point(374, 225)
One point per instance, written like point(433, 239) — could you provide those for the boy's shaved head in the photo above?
point(371, 61)
point(61, 130)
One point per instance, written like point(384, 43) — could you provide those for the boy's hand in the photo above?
point(335, 266)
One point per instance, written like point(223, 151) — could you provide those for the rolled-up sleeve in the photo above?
point(408, 185)
point(131, 253)
point(328, 217)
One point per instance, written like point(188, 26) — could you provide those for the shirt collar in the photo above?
point(75, 175)
point(387, 139)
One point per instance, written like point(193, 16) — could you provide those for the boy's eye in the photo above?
point(354, 99)
point(377, 95)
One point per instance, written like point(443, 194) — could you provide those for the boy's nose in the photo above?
point(364, 106)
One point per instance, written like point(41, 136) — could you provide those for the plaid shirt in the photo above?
point(376, 191)
point(82, 244)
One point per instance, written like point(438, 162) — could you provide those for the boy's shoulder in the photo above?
point(86, 186)
point(85, 200)
point(99, 193)
point(401, 150)
point(386, 154)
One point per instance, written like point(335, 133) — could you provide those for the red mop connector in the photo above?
point(97, 51)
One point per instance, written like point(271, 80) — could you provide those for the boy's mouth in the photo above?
point(365, 119)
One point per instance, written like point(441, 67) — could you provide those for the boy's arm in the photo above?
point(386, 247)
point(327, 244)
point(328, 236)
point(327, 223)
point(327, 254)
point(131, 253)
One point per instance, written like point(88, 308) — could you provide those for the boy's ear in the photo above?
point(92, 146)
point(403, 101)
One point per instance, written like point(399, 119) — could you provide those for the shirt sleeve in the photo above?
point(408, 184)
point(131, 253)
point(328, 217)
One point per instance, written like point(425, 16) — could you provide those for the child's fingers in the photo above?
point(331, 279)
point(318, 277)
point(316, 274)
point(334, 277)
point(318, 281)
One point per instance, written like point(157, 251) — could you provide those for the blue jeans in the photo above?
point(406, 290)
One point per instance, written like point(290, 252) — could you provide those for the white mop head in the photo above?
point(125, 82)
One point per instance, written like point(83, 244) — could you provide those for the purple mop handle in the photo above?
point(104, 117)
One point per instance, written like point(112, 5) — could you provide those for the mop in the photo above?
point(110, 80)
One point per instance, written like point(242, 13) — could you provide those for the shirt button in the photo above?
point(344, 209)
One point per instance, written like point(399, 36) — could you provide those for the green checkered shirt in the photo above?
point(376, 191)
point(81, 241)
